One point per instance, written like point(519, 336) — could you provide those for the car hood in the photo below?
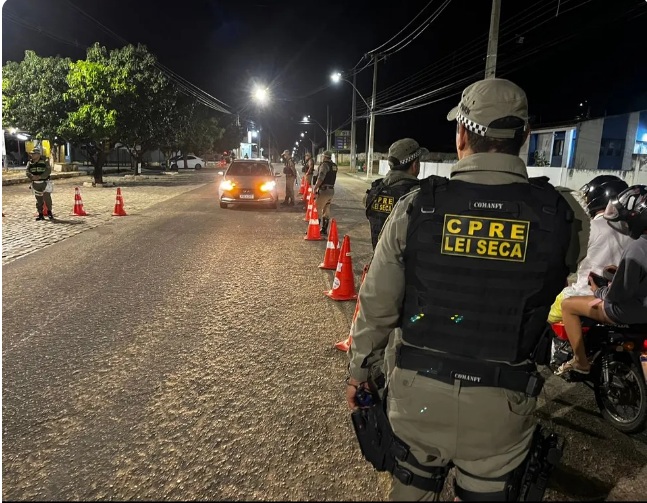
point(249, 182)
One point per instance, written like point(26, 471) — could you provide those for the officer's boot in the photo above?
point(40, 217)
point(50, 214)
point(324, 226)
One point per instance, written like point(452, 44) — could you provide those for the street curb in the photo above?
point(55, 176)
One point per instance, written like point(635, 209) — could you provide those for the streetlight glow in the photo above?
point(261, 95)
point(302, 135)
point(336, 77)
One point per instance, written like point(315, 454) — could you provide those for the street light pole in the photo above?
point(352, 129)
point(327, 128)
point(371, 133)
point(490, 61)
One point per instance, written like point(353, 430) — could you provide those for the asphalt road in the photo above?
point(185, 352)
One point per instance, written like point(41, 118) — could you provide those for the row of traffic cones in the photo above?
point(79, 211)
point(335, 258)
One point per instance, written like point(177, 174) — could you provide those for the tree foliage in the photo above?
point(32, 94)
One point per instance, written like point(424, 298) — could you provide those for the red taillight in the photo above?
point(560, 330)
point(645, 345)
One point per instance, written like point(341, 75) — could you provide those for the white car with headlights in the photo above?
point(248, 181)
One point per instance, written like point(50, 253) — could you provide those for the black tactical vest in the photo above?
point(380, 201)
point(37, 168)
point(483, 264)
point(331, 176)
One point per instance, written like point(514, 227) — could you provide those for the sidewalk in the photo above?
point(17, 175)
point(360, 175)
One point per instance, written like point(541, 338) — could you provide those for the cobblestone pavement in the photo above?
point(21, 234)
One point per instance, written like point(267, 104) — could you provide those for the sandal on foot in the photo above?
point(570, 366)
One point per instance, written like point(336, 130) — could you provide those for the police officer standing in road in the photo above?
point(290, 172)
point(309, 167)
point(39, 171)
point(325, 189)
point(458, 292)
point(404, 161)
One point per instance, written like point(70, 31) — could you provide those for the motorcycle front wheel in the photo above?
point(623, 400)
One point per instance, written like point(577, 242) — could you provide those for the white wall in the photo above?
point(589, 137)
point(571, 178)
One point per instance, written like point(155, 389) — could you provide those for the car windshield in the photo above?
point(249, 169)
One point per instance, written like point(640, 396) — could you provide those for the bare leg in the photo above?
point(572, 309)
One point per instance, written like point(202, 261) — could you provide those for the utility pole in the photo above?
point(371, 133)
point(493, 42)
point(327, 128)
point(353, 151)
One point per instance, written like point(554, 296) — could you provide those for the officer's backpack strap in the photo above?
point(543, 189)
point(428, 188)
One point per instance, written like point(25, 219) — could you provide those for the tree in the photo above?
point(231, 137)
point(198, 130)
point(144, 113)
point(32, 94)
point(96, 90)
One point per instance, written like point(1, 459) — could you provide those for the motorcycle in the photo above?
point(618, 376)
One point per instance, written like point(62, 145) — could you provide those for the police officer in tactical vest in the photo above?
point(309, 167)
point(325, 189)
point(404, 161)
point(458, 292)
point(39, 171)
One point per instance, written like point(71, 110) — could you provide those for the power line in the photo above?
point(417, 32)
point(397, 34)
point(214, 103)
point(451, 67)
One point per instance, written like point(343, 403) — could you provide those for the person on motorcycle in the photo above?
point(624, 301)
point(605, 246)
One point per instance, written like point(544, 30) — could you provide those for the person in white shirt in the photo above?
point(605, 245)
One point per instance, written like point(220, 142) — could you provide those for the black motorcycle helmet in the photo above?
point(599, 191)
point(627, 213)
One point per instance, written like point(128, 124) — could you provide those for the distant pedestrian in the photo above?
point(290, 172)
point(39, 171)
point(324, 189)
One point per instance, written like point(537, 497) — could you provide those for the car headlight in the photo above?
point(268, 186)
point(227, 185)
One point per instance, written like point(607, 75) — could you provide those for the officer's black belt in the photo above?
point(327, 187)
point(447, 368)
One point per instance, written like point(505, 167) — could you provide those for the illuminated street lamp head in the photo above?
point(261, 95)
point(302, 135)
point(336, 77)
point(305, 118)
point(296, 143)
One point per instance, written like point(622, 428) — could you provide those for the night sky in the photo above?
point(561, 52)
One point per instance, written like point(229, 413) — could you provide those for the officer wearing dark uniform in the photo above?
point(290, 173)
point(404, 161)
point(457, 295)
point(309, 167)
point(39, 171)
point(325, 189)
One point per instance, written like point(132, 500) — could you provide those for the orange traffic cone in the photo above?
point(314, 232)
point(119, 205)
point(343, 286)
point(45, 209)
point(345, 344)
point(303, 184)
point(331, 257)
point(78, 204)
point(307, 189)
point(309, 204)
